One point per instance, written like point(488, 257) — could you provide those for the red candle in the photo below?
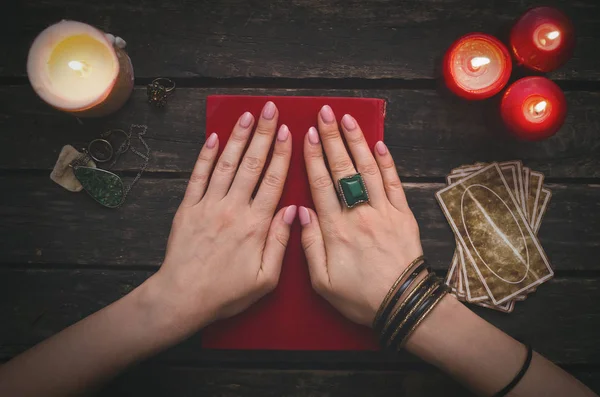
point(534, 108)
point(477, 66)
point(543, 39)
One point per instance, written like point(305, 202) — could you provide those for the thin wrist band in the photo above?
point(379, 315)
point(407, 304)
point(519, 376)
point(414, 313)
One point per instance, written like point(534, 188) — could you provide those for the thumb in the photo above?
point(314, 249)
point(277, 239)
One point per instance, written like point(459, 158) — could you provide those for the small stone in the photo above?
point(62, 174)
point(105, 187)
point(355, 188)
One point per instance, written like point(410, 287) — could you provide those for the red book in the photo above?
point(293, 317)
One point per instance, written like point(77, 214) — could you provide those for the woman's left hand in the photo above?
point(355, 254)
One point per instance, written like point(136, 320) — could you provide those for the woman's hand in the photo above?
point(355, 254)
point(225, 248)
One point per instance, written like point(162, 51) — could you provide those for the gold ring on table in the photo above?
point(159, 90)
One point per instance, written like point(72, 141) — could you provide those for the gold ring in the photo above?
point(159, 90)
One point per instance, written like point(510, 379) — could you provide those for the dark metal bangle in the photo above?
point(378, 320)
point(441, 296)
point(519, 376)
point(400, 314)
point(424, 307)
point(392, 303)
point(414, 314)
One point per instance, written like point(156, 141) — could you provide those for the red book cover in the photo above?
point(293, 317)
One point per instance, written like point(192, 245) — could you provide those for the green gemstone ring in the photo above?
point(352, 190)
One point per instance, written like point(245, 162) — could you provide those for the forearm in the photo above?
point(484, 358)
point(96, 348)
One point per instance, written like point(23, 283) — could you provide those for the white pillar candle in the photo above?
point(77, 68)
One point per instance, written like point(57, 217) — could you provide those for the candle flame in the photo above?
point(82, 68)
point(540, 107)
point(477, 62)
point(76, 65)
point(553, 35)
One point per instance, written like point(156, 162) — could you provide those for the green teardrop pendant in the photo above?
point(104, 186)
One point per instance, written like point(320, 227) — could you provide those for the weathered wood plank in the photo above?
point(560, 319)
point(44, 224)
point(169, 381)
point(302, 39)
point(177, 381)
point(428, 134)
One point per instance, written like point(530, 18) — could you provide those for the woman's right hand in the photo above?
point(226, 248)
point(355, 254)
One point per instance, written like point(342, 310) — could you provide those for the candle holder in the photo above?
point(79, 69)
point(543, 39)
point(533, 108)
point(477, 66)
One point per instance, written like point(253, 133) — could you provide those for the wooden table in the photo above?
point(64, 257)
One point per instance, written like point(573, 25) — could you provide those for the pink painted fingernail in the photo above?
point(283, 133)
point(381, 148)
point(289, 214)
point(269, 111)
point(211, 142)
point(246, 120)
point(348, 122)
point(327, 114)
point(313, 136)
point(304, 216)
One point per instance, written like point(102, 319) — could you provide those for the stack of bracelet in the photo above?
point(396, 319)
